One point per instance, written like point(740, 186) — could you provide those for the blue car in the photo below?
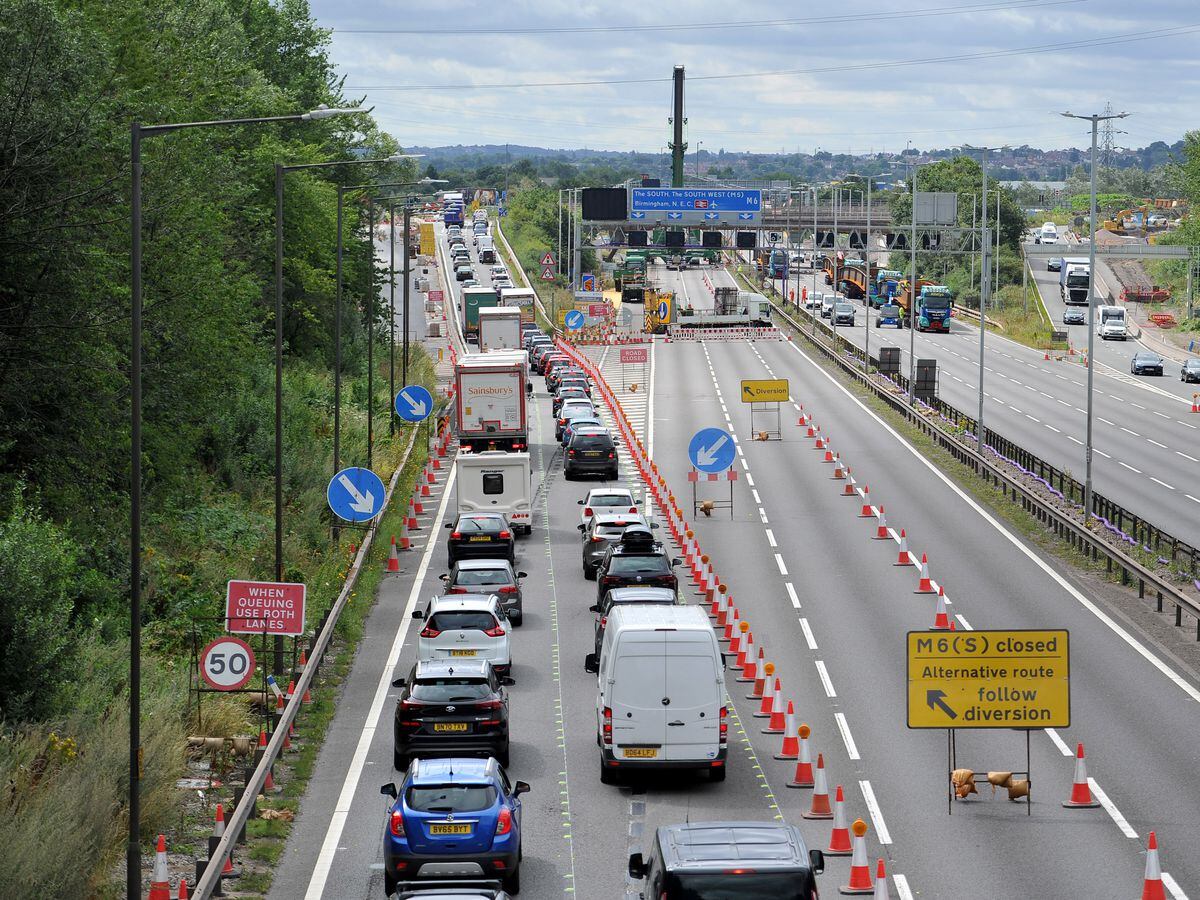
point(453, 818)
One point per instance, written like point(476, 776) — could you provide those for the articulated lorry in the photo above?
point(1074, 280)
point(934, 306)
point(490, 400)
point(471, 300)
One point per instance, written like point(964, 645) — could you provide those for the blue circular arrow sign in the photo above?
point(573, 320)
point(711, 450)
point(414, 403)
point(663, 309)
point(355, 494)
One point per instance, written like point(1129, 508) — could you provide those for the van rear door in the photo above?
point(639, 716)
point(692, 700)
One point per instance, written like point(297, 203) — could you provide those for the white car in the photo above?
point(606, 500)
point(471, 626)
point(498, 271)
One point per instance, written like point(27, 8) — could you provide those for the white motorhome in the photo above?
point(660, 692)
point(1111, 324)
point(1048, 234)
point(495, 481)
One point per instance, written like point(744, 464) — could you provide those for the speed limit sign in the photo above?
point(227, 663)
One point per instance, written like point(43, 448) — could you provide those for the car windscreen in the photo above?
point(936, 302)
point(451, 690)
point(482, 576)
point(480, 525)
point(639, 565)
point(462, 620)
point(889, 310)
point(793, 885)
point(587, 441)
point(451, 797)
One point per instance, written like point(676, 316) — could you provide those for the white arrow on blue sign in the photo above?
point(712, 215)
point(355, 494)
point(711, 450)
point(414, 403)
point(663, 309)
point(674, 215)
point(574, 320)
point(745, 215)
point(637, 215)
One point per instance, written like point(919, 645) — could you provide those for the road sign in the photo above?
point(774, 237)
point(414, 403)
point(765, 390)
point(674, 215)
point(691, 199)
point(587, 282)
point(573, 320)
point(227, 664)
point(637, 215)
point(502, 211)
point(598, 310)
point(355, 494)
point(634, 355)
point(548, 258)
point(989, 679)
point(548, 273)
point(664, 309)
point(252, 607)
point(745, 216)
point(712, 215)
point(711, 450)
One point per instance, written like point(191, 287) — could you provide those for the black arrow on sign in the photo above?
point(934, 699)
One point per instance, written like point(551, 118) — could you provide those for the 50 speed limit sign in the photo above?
point(227, 663)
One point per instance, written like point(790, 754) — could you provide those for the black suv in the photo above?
point(624, 596)
point(451, 708)
point(709, 859)
point(591, 453)
point(636, 561)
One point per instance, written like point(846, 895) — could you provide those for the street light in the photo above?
point(137, 132)
point(1095, 119)
point(912, 287)
point(869, 179)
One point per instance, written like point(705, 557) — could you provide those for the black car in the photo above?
point(578, 382)
point(1190, 371)
point(559, 372)
point(489, 576)
point(1074, 316)
point(591, 453)
point(475, 535)
point(1054, 264)
point(728, 859)
point(451, 708)
point(636, 561)
point(843, 314)
point(463, 273)
point(620, 596)
point(1146, 362)
point(601, 532)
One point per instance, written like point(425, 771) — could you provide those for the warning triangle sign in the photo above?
point(548, 259)
point(547, 273)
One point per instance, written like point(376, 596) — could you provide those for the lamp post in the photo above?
point(137, 133)
point(1095, 119)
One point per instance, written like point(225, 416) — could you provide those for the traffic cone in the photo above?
point(750, 666)
point(722, 606)
point(881, 532)
point(860, 869)
point(1152, 886)
point(777, 724)
point(803, 420)
point(160, 887)
point(924, 586)
point(219, 832)
point(1196, 403)
point(866, 512)
point(881, 883)
point(405, 540)
point(803, 778)
point(839, 840)
point(838, 471)
point(1081, 791)
point(430, 478)
point(418, 506)
point(941, 621)
point(739, 636)
point(411, 519)
point(765, 671)
point(791, 739)
point(851, 488)
point(828, 457)
point(393, 560)
point(820, 798)
point(183, 889)
point(769, 700)
point(902, 558)
point(812, 431)
point(821, 443)
point(307, 698)
point(731, 623)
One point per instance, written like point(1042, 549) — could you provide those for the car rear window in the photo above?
point(609, 500)
point(612, 532)
point(483, 524)
point(462, 620)
point(586, 441)
point(639, 565)
point(793, 885)
point(451, 690)
point(451, 797)
point(482, 576)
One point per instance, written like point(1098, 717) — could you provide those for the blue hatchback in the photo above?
point(453, 818)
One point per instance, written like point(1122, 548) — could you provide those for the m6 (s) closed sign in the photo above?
point(227, 664)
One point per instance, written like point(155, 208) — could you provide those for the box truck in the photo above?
point(496, 481)
point(499, 328)
point(490, 400)
point(471, 300)
point(521, 298)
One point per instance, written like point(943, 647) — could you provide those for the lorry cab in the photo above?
point(496, 481)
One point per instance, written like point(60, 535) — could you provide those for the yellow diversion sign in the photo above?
point(989, 679)
point(766, 390)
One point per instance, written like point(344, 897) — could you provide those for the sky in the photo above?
point(860, 76)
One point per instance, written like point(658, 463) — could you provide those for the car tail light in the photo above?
point(611, 455)
point(570, 453)
point(396, 825)
point(457, 590)
point(430, 632)
point(507, 589)
point(607, 732)
point(587, 510)
point(724, 725)
point(504, 821)
point(498, 631)
point(489, 704)
point(597, 539)
point(505, 534)
point(741, 872)
point(456, 535)
point(633, 509)
point(604, 621)
point(562, 421)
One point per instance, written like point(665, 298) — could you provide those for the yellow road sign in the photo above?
point(766, 390)
point(989, 679)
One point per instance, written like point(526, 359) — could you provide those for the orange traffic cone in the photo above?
point(866, 512)
point(820, 798)
point(1152, 886)
point(803, 778)
point(741, 629)
point(1081, 791)
point(839, 840)
point(745, 652)
point(219, 832)
point(821, 443)
point(750, 668)
point(411, 519)
point(850, 489)
point(881, 531)
point(941, 620)
point(791, 740)
point(881, 883)
point(765, 671)
point(393, 560)
point(839, 471)
point(418, 506)
point(924, 586)
point(183, 889)
point(770, 700)
point(405, 540)
point(160, 887)
point(903, 559)
point(777, 724)
point(307, 698)
point(828, 457)
point(860, 869)
point(731, 625)
point(803, 420)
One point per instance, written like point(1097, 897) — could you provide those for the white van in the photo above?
point(496, 481)
point(1110, 323)
point(660, 698)
point(1048, 234)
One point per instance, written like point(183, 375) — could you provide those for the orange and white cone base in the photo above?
point(803, 777)
point(820, 798)
point(160, 887)
point(881, 883)
point(1081, 791)
point(791, 738)
point(1152, 885)
point(860, 869)
point(839, 840)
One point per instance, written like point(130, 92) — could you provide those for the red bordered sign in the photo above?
point(227, 664)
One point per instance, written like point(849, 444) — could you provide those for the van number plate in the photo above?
point(641, 752)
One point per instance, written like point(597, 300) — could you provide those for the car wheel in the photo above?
point(503, 757)
point(517, 617)
point(389, 884)
point(716, 774)
point(589, 574)
point(399, 761)
point(512, 883)
point(607, 775)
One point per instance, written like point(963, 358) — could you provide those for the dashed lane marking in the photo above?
point(1059, 743)
point(771, 538)
point(823, 673)
point(902, 887)
point(847, 737)
point(791, 591)
point(881, 830)
point(779, 562)
point(1163, 483)
point(1173, 886)
point(808, 634)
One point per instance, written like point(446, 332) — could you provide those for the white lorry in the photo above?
point(490, 400)
point(520, 298)
point(487, 250)
point(499, 328)
point(1111, 323)
point(495, 481)
point(660, 692)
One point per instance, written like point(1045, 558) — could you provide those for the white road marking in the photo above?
point(809, 638)
point(1190, 497)
point(902, 887)
point(1129, 467)
point(1055, 430)
point(779, 562)
point(881, 830)
point(1129, 431)
point(754, 493)
point(762, 514)
point(1101, 453)
point(1075, 439)
point(792, 594)
point(1163, 483)
point(963, 622)
point(1173, 886)
point(749, 479)
point(771, 538)
point(1059, 743)
point(825, 682)
point(1111, 809)
point(1185, 456)
point(847, 737)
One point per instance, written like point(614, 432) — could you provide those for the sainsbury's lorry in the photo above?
point(490, 400)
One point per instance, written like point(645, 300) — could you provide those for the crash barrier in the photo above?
point(685, 333)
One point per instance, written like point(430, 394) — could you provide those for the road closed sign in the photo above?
point(227, 664)
point(989, 679)
point(258, 607)
point(634, 355)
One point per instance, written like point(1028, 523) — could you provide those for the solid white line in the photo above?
point(847, 737)
point(1173, 886)
point(1111, 809)
point(771, 538)
point(881, 831)
point(779, 562)
point(825, 682)
point(1059, 743)
point(902, 887)
point(808, 635)
point(1171, 675)
point(1163, 483)
point(341, 811)
point(792, 594)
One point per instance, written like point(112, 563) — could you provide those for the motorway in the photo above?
point(831, 611)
